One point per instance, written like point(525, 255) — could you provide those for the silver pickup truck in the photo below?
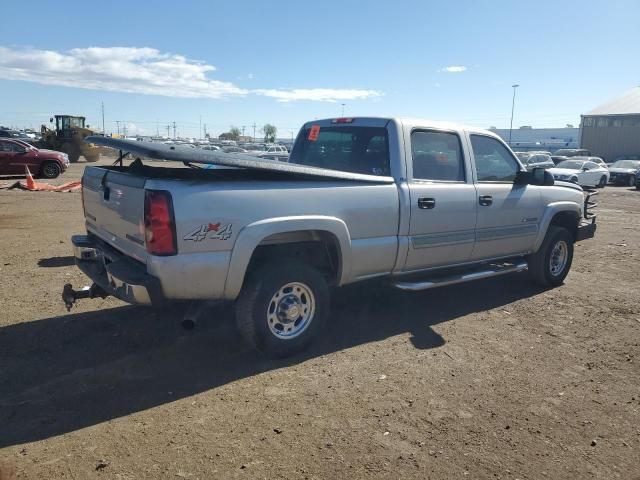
point(421, 203)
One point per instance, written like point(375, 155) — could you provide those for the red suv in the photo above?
point(15, 154)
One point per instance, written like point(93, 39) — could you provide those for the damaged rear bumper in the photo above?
point(114, 273)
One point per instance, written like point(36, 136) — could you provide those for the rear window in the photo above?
point(346, 148)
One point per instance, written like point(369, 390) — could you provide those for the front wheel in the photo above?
point(50, 170)
point(551, 263)
point(281, 309)
point(632, 181)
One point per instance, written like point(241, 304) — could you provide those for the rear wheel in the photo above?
point(72, 150)
point(603, 182)
point(50, 170)
point(551, 263)
point(281, 309)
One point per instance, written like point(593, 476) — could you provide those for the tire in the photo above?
point(603, 182)
point(632, 182)
point(268, 295)
point(50, 170)
point(545, 270)
point(72, 150)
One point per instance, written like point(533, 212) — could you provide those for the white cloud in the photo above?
point(144, 71)
point(453, 69)
point(317, 94)
point(120, 69)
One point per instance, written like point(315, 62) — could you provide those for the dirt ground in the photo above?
point(494, 379)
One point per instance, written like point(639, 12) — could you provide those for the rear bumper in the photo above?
point(116, 274)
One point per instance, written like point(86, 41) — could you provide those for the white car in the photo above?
point(582, 172)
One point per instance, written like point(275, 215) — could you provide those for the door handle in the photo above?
point(426, 203)
point(486, 200)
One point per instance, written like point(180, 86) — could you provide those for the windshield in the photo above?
point(627, 164)
point(346, 148)
point(571, 164)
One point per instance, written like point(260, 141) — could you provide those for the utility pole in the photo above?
point(243, 130)
point(200, 129)
point(174, 130)
point(343, 104)
point(124, 129)
point(513, 104)
point(205, 130)
point(157, 129)
point(118, 124)
point(254, 131)
point(168, 128)
point(103, 132)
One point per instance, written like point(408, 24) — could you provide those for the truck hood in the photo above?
point(188, 155)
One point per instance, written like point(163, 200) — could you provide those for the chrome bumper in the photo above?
point(115, 273)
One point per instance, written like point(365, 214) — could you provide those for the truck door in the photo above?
point(509, 215)
point(443, 200)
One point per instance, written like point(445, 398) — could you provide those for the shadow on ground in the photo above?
point(56, 262)
point(64, 373)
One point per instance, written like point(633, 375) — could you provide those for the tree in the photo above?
point(232, 134)
point(269, 133)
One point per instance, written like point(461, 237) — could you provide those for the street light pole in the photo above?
point(343, 104)
point(513, 104)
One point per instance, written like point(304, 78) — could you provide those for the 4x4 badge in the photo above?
point(211, 231)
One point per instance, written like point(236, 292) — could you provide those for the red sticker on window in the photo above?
point(313, 133)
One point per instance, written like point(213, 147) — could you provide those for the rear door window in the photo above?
point(346, 148)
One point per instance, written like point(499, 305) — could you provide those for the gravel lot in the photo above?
point(494, 379)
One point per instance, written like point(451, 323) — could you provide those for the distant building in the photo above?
point(527, 138)
point(613, 129)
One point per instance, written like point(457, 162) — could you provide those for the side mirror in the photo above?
point(537, 176)
point(584, 169)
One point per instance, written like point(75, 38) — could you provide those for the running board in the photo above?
point(494, 271)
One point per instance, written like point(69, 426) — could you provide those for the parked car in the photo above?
point(16, 135)
point(623, 172)
point(16, 154)
point(638, 180)
point(573, 152)
point(421, 203)
point(233, 150)
point(582, 172)
point(210, 147)
point(533, 160)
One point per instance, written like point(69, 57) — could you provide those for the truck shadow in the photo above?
point(68, 372)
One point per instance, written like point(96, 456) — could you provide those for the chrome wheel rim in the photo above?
point(559, 257)
point(291, 310)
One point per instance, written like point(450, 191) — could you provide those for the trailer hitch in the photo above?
point(70, 296)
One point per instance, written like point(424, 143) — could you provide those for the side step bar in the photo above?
point(493, 271)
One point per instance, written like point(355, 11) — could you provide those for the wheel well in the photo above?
point(568, 220)
point(317, 248)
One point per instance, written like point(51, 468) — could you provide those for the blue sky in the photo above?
point(290, 61)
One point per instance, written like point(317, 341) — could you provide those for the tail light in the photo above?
point(159, 224)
